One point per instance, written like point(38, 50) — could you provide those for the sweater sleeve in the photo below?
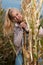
point(27, 28)
point(41, 32)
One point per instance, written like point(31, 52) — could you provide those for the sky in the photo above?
point(11, 3)
point(14, 4)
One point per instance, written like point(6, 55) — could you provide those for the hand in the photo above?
point(23, 25)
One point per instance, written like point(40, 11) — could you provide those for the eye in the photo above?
point(13, 17)
point(17, 14)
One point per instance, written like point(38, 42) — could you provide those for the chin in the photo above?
point(18, 21)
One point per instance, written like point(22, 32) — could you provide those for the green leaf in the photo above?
point(35, 56)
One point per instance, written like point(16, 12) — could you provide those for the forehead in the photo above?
point(14, 11)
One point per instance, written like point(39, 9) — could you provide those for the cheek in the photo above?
point(20, 15)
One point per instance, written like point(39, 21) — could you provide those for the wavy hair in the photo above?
point(8, 27)
point(8, 24)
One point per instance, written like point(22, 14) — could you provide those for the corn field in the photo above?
point(31, 12)
point(33, 43)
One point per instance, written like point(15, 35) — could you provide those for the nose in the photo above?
point(19, 16)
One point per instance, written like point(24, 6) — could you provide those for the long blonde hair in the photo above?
point(8, 25)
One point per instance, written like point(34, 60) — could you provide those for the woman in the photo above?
point(14, 24)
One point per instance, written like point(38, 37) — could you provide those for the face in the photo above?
point(17, 17)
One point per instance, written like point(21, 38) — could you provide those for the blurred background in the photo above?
point(11, 3)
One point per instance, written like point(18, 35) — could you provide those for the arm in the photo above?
point(27, 29)
point(25, 26)
point(41, 32)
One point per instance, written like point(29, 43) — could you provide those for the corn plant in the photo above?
point(31, 12)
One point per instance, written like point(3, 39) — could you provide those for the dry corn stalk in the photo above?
point(31, 12)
